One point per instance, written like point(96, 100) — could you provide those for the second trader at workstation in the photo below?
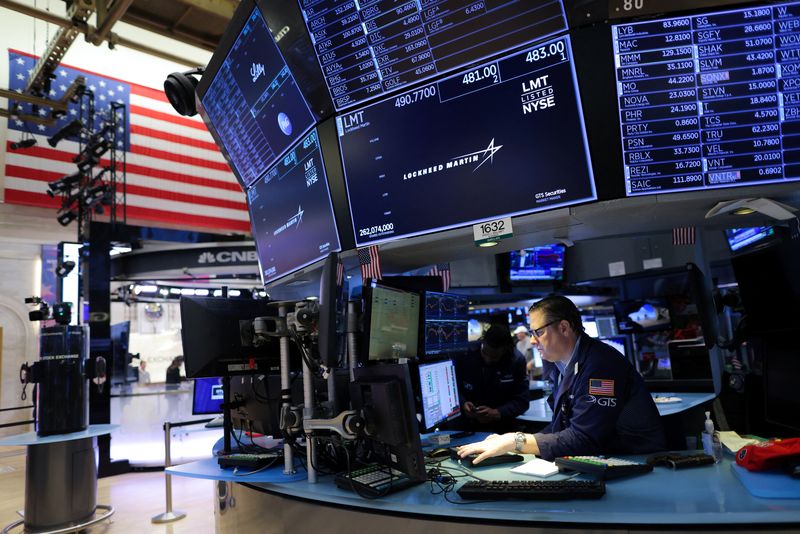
point(600, 404)
point(492, 383)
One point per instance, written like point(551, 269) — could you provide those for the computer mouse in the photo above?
point(442, 452)
point(507, 458)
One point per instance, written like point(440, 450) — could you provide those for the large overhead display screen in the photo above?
point(711, 100)
point(253, 103)
point(504, 138)
point(368, 47)
point(291, 212)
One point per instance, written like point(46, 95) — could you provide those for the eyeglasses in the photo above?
point(539, 332)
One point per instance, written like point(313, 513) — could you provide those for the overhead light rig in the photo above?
point(87, 193)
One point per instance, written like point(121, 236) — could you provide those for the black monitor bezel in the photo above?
point(366, 295)
point(240, 17)
point(416, 369)
point(406, 457)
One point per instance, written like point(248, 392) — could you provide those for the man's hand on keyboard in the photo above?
point(491, 446)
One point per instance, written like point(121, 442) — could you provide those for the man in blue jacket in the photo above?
point(492, 383)
point(600, 404)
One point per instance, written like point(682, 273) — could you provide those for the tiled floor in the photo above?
point(136, 497)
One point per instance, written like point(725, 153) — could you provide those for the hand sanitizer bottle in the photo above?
point(711, 443)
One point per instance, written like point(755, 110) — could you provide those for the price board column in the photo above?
point(659, 109)
point(737, 87)
point(786, 20)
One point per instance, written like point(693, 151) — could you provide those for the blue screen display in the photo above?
point(710, 101)
point(446, 327)
point(291, 212)
point(503, 138)
point(537, 263)
point(739, 238)
point(207, 396)
point(367, 48)
point(253, 104)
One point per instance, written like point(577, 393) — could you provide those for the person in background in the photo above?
point(144, 374)
point(600, 405)
point(174, 371)
point(526, 348)
point(492, 383)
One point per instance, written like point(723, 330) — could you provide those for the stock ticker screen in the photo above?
point(446, 317)
point(509, 133)
point(368, 47)
point(253, 103)
point(291, 212)
point(711, 100)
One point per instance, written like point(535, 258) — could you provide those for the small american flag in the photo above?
point(370, 262)
point(683, 235)
point(443, 270)
point(601, 386)
point(176, 175)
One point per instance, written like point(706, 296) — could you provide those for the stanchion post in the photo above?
point(169, 516)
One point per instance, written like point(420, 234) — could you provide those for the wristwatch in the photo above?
point(519, 441)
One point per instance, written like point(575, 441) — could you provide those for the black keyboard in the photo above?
point(605, 468)
point(532, 490)
point(375, 480)
point(247, 460)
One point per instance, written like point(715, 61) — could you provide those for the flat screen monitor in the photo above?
point(446, 307)
point(392, 318)
point(249, 99)
point(707, 101)
point(366, 49)
point(291, 212)
point(502, 139)
point(217, 336)
point(438, 393)
point(606, 326)
point(207, 396)
point(383, 394)
point(537, 264)
point(740, 238)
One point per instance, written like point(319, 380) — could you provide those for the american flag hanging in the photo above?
point(370, 262)
point(683, 235)
point(176, 175)
point(443, 270)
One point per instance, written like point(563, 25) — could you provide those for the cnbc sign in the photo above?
point(227, 257)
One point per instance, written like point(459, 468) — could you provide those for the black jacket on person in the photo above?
point(602, 407)
point(503, 386)
point(173, 375)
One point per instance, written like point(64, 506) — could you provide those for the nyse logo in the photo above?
point(311, 173)
point(256, 70)
point(244, 256)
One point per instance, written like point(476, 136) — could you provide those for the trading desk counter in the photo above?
point(704, 498)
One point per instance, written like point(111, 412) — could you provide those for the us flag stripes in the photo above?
point(176, 175)
point(370, 262)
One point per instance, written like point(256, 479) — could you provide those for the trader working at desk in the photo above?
point(600, 405)
point(492, 383)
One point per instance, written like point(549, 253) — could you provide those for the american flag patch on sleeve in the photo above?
point(601, 386)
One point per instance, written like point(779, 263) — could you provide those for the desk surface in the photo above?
point(709, 495)
point(31, 438)
point(540, 412)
